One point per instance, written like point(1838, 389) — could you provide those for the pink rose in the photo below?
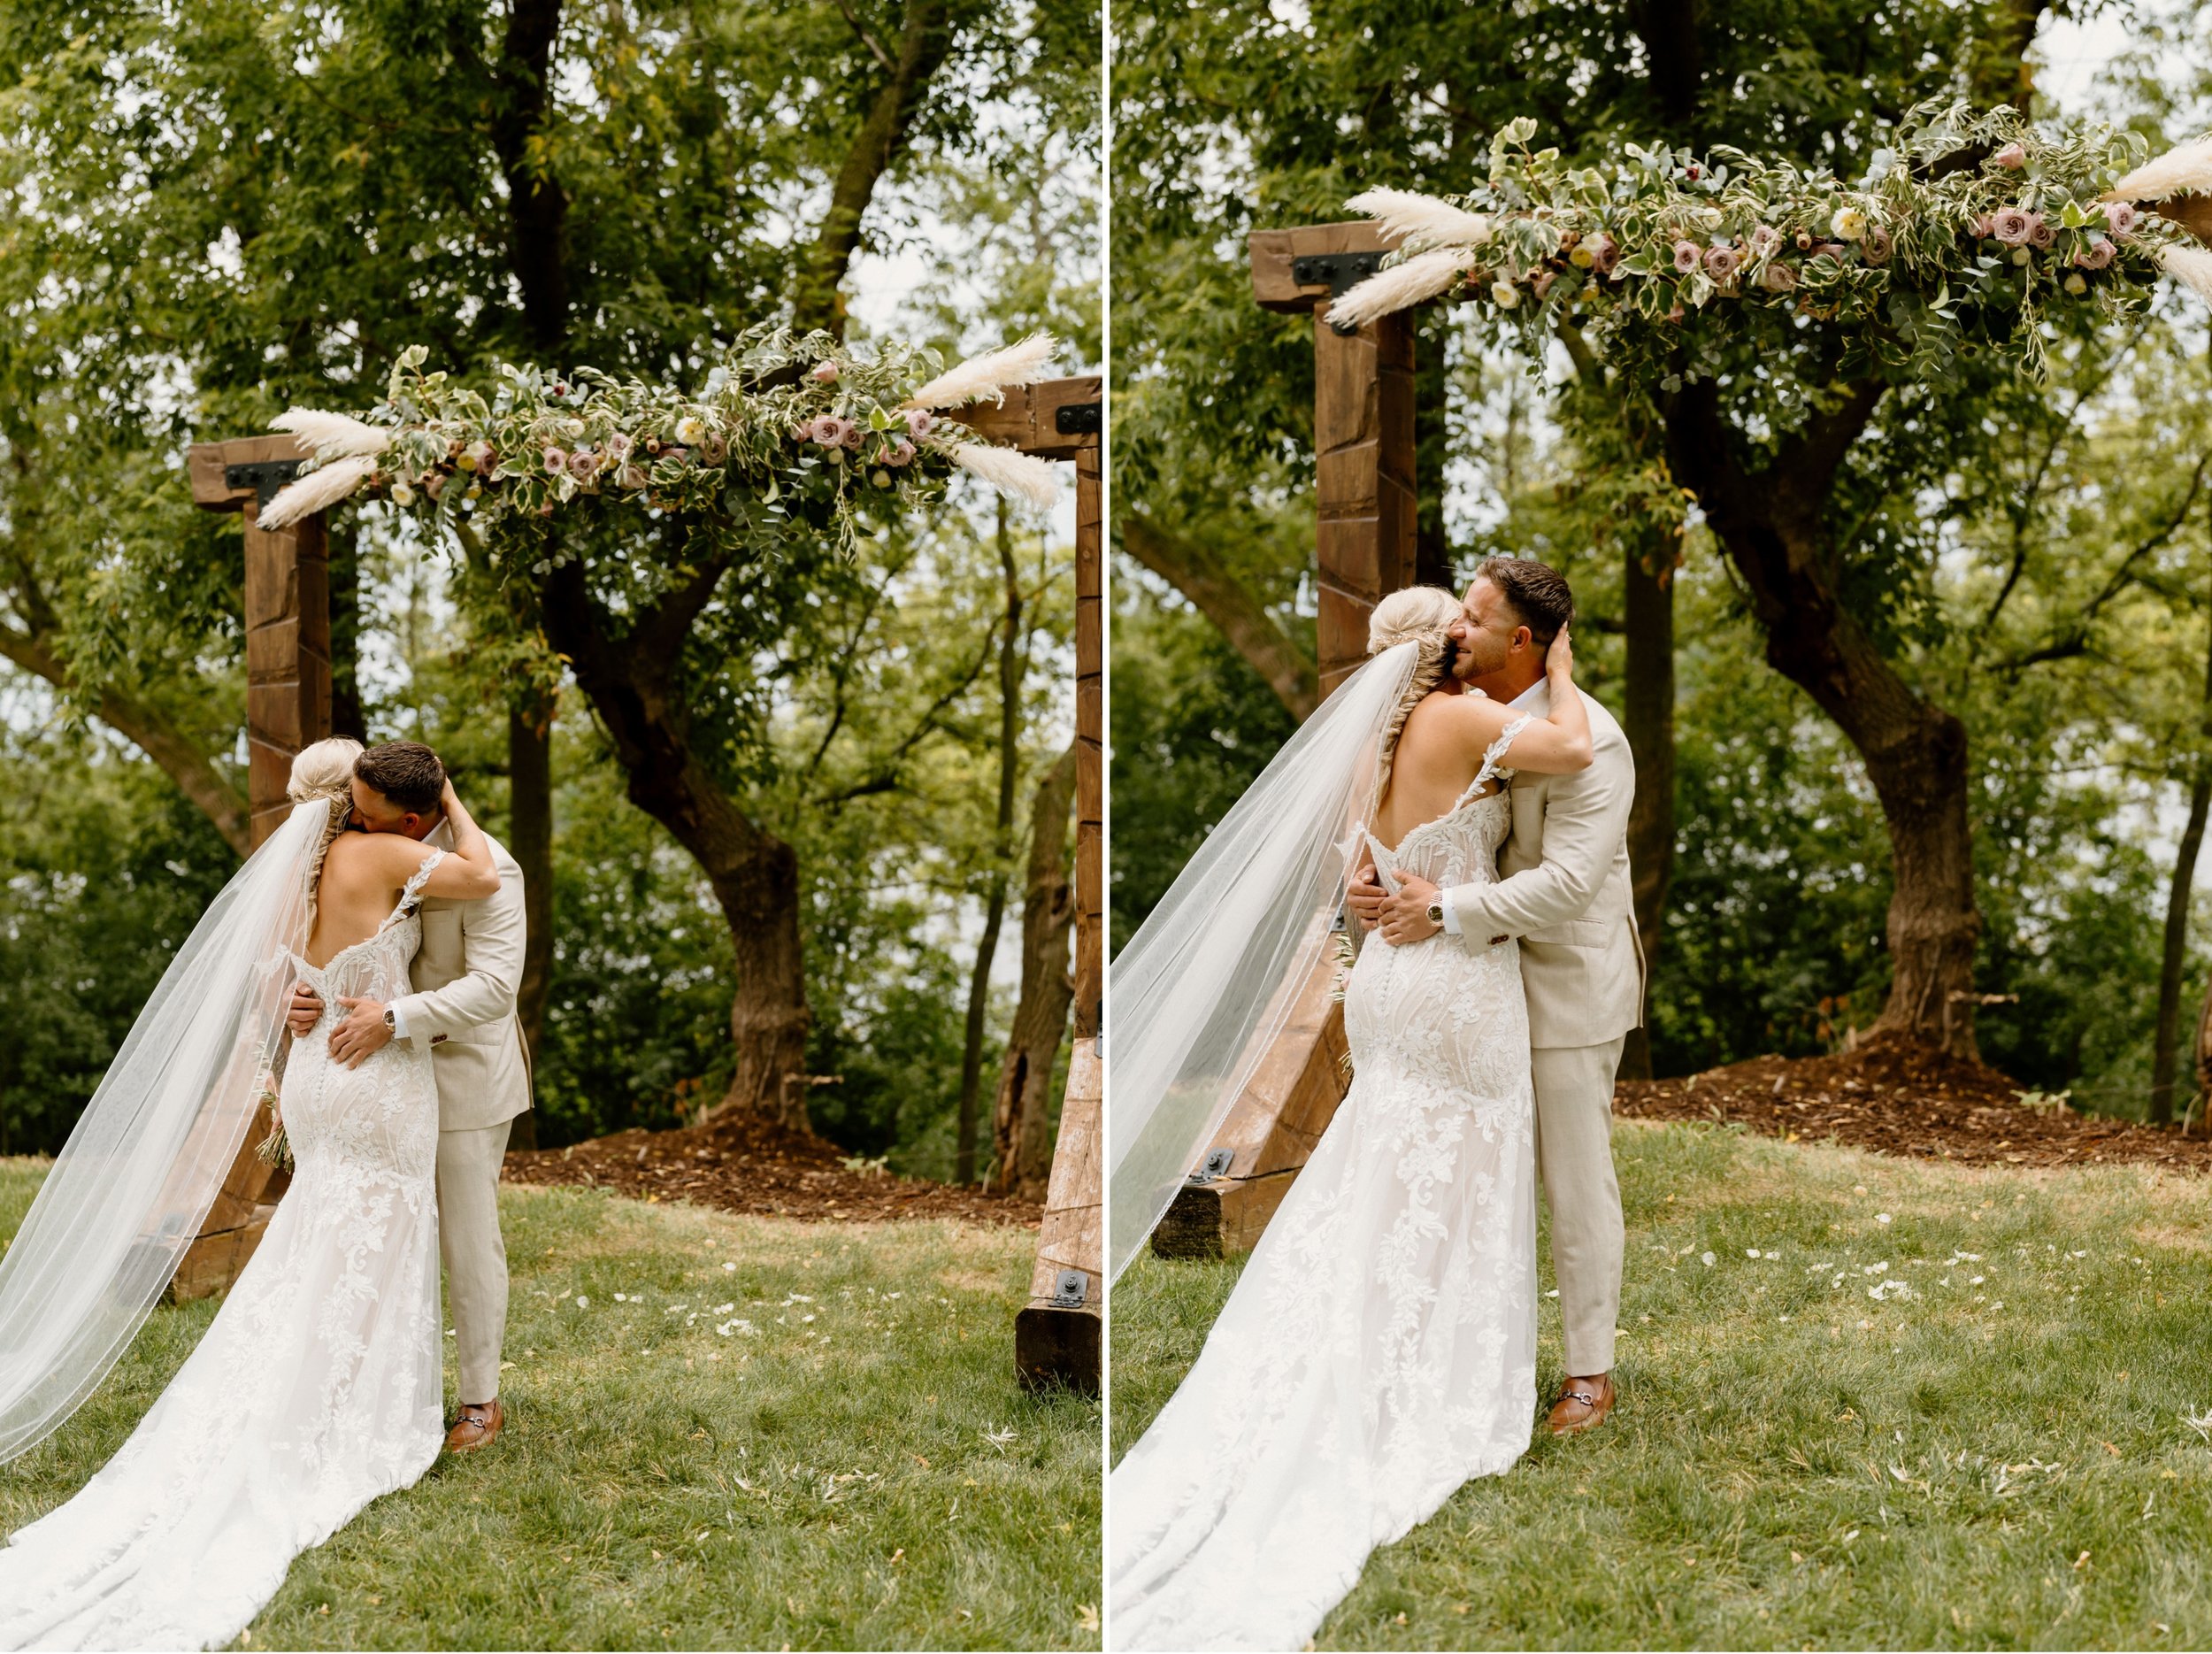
point(2012, 155)
point(1777, 277)
point(618, 447)
point(854, 435)
point(2012, 227)
point(1677, 313)
point(900, 453)
point(1720, 262)
point(581, 464)
point(1765, 238)
point(715, 449)
point(2120, 218)
point(555, 460)
point(2097, 255)
point(1604, 253)
point(1875, 248)
point(1687, 256)
point(2041, 233)
point(1983, 227)
point(825, 372)
point(919, 422)
point(635, 477)
point(828, 431)
point(1836, 250)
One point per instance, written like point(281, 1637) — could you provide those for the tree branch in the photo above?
point(1200, 575)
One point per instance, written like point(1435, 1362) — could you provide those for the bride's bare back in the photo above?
point(364, 873)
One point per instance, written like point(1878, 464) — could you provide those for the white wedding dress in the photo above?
point(316, 1387)
point(1380, 1348)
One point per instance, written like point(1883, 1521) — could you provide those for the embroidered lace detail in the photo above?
point(318, 1387)
point(1380, 1348)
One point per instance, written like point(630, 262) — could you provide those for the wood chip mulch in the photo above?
point(1898, 1097)
point(746, 1165)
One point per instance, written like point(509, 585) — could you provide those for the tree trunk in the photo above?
point(530, 840)
point(1021, 1120)
point(1200, 575)
point(1649, 692)
point(632, 682)
point(537, 206)
point(819, 301)
point(1771, 527)
point(1009, 705)
point(2162, 1052)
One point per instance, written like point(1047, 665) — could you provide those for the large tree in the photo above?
point(219, 212)
point(1813, 515)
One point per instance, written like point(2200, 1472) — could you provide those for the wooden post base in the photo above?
point(1223, 1217)
point(1057, 1347)
point(214, 1260)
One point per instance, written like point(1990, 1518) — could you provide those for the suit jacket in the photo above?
point(1564, 890)
point(465, 978)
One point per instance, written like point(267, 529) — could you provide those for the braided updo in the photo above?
point(324, 771)
point(1422, 616)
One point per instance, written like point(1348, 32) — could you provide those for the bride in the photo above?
point(1380, 1347)
point(316, 1387)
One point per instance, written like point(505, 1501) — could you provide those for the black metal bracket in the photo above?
point(1069, 1289)
point(1216, 1165)
point(1339, 273)
point(1078, 419)
point(265, 477)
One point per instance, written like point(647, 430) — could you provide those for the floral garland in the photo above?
point(1969, 233)
point(786, 433)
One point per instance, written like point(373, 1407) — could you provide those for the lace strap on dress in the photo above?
point(410, 892)
point(1492, 753)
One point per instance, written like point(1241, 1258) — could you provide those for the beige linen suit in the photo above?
point(1564, 892)
point(465, 978)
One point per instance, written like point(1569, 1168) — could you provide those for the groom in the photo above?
point(464, 979)
point(1564, 890)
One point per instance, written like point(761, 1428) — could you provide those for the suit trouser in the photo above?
point(1574, 1154)
point(475, 1255)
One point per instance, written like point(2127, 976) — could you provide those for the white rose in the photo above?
point(401, 495)
point(1505, 294)
point(1849, 224)
point(2076, 285)
point(691, 430)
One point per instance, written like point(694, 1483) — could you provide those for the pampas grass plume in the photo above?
point(317, 490)
point(991, 375)
point(2190, 266)
point(1010, 470)
point(1423, 276)
point(2182, 170)
point(332, 436)
point(1421, 222)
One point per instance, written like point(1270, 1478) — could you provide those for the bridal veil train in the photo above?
point(1380, 1347)
point(318, 1386)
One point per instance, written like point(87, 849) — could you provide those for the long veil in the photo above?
point(1199, 991)
point(134, 1184)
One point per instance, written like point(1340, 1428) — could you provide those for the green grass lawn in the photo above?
point(849, 1464)
point(1866, 1403)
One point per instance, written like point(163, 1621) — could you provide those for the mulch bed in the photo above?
point(1897, 1097)
point(746, 1165)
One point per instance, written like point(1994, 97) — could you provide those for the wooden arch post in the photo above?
point(1057, 1335)
point(1365, 505)
point(288, 707)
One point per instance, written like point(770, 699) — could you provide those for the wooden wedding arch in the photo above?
point(1056, 1336)
point(1366, 503)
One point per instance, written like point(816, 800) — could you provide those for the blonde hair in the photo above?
point(1424, 617)
point(324, 771)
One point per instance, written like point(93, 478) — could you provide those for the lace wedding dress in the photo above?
point(1380, 1348)
point(317, 1388)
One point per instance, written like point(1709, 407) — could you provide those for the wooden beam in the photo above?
point(1055, 1340)
point(1274, 286)
point(1029, 419)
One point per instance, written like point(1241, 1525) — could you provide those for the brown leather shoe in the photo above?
point(477, 1425)
point(1582, 1405)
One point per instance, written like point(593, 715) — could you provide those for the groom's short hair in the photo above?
point(1537, 593)
point(405, 772)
